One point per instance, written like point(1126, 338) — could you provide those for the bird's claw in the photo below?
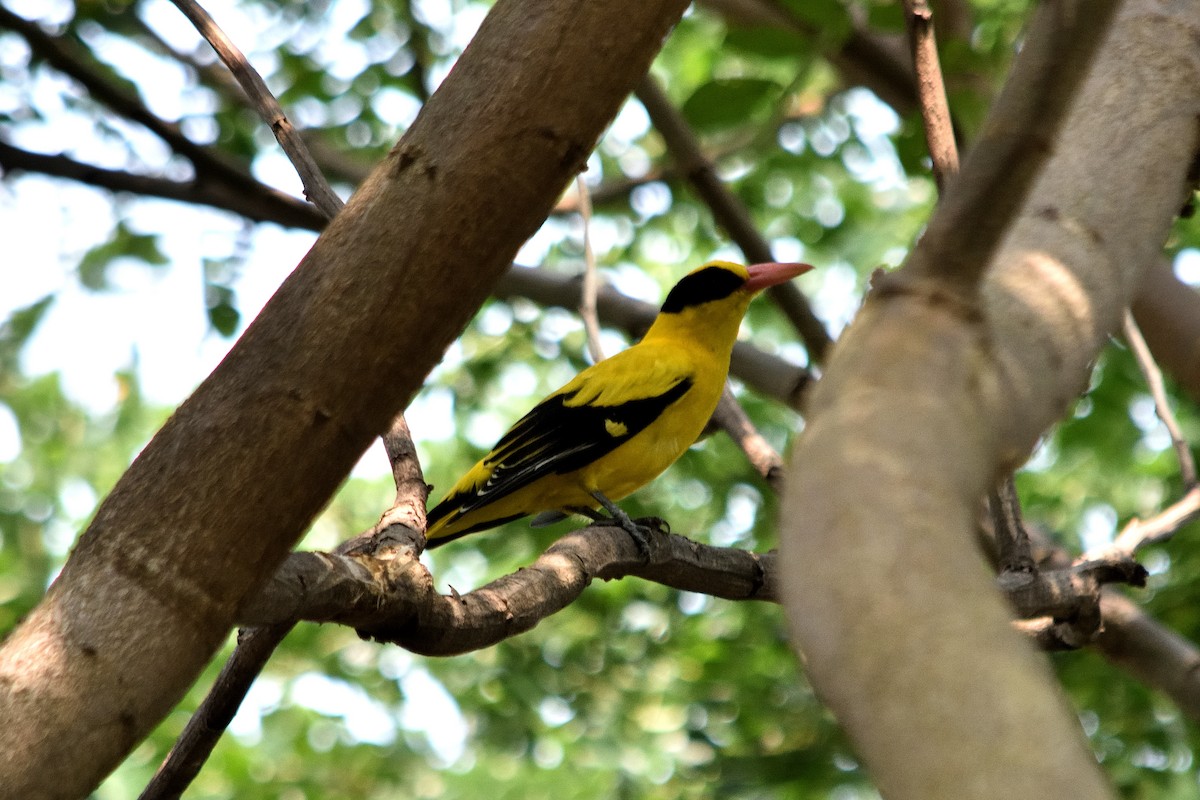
point(656, 524)
point(641, 530)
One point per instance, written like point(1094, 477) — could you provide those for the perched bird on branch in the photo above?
point(618, 424)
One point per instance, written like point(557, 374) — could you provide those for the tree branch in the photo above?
point(1016, 141)
point(931, 395)
point(591, 283)
point(394, 601)
point(400, 531)
point(931, 92)
point(209, 165)
point(343, 344)
point(264, 205)
point(316, 188)
point(1154, 381)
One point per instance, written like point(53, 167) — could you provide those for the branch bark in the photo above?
point(213, 503)
point(926, 402)
point(394, 600)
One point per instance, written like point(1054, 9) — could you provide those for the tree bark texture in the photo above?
point(214, 502)
point(926, 402)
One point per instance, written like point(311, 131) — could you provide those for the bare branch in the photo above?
point(210, 166)
point(394, 601)
point(264, 205)
point(316, 188)
point(195, 744)
point(931, 91)
point(1162, 526)
point(1154, 380)
point(1012, 540)
point(587, 292)
point(732, 418)
point(1151, 652)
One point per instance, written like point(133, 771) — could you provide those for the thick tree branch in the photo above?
point(343, 344)
point(923, 406)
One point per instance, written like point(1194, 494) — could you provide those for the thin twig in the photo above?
point(728, 211)
point(1138, 533)
point(931, 91)
point(587, 293)
point(732, 418)
point(316, 188)
point(1154, 380)
point(1012, 540)
point(202, 732)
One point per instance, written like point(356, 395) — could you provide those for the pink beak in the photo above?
point(764, 275)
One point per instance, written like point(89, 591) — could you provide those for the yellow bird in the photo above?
point(621, 422)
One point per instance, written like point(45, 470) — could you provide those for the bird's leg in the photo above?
point(590, 513)
point(639, 533)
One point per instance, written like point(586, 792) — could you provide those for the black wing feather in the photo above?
point(555, 438)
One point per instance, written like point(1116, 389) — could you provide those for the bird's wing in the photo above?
point(600, 409)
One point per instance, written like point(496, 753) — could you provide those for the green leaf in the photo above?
point(729, 102)
point(122, 243)
point(17, 329)
point(222, 311)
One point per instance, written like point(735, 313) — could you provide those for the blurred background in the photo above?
point(115, 301)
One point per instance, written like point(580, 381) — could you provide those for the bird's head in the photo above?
point(724, 281)
point(706, 306)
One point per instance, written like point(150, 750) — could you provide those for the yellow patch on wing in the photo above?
point(615, 428)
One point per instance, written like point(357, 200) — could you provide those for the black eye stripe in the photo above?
point(702, 286)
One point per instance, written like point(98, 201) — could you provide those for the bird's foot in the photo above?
point(656, 524)
point(641, 530)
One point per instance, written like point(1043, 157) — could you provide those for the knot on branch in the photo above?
point(1060, 608)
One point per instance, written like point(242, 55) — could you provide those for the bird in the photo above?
point(619, 423)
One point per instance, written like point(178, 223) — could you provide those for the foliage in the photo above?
point(635, 690)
